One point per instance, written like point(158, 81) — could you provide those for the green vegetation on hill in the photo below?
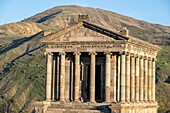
point(22, 61)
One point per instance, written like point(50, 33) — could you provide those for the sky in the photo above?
point(153, 11)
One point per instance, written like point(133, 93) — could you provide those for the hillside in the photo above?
point(22, 61)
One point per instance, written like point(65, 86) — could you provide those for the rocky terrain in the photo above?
point(22, 61)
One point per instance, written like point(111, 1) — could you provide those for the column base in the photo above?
point(107, 101)
point(48, 100)
point(77, 101)
point(93, 101)
point(62, 100)
point(122, 101)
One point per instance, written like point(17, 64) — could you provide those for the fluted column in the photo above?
point(118, 78)
point(54, 79)
point(145, 79)
point(149, 79)
point(137, 80)
point(114, 77)
point(153, 79)
point(57, 78)
point(67, 79)
point(122, 74)
point(77, 76)
point(132, 79)
point(92, 76)
point(62, 76)
point(127, 77)
point(49, 76)
point(71, 81)
point(141, 80)
point(107, 68)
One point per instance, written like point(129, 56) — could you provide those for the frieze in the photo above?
point(87, 46)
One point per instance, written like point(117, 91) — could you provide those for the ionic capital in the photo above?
point(137, 56)
point(149, 59)
point(48, 53)
point(76, 53)
point(107, 53)
point(141, 57)
point(132, 55)
point(62, 53)
point(145, 58)
point(127, 53)
point(92, 53)
point(154, 59)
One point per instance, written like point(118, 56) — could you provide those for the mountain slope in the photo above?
point(22, 61)
point(57, 17)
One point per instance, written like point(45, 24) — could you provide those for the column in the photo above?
point(92, 76)
point(54, 79)
point(137, 79)
point(149, 78)
point(62, 75)
point(77, 76)
point(114, 77)
point(118, 78)
point(57, 78)
point(145, 79)
point(153, 79)
point(49, 76)
point(67, 79)
point(72, 81)
point(132, 79)
point(107, 68)
point(127, 78)
point(122, 75)
point(141, 80)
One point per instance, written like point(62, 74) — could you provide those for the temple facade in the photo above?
point(92, 69)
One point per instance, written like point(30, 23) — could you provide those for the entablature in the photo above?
point(92, 44)
point(144, 49)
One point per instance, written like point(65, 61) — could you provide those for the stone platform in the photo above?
point(71, 107)
point(79, 107)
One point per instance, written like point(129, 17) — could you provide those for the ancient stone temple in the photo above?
point(92, 69)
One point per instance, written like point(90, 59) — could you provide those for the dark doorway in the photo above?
point(98, 83)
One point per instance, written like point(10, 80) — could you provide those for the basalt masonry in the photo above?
point(91, 69)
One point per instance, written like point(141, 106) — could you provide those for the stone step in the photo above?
point(71, 106)
point(78, 108)
point(64, 110)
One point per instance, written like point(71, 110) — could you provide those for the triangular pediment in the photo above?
point(83, 31)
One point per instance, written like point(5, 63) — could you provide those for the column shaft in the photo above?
point(137, 80)
point(132, 79)
point(57, 78)
point(122, 99)
point(153, 79)
point(67, 79)
point(107, 68)
point(49, 76)
point(92, 77)
point(145, 79)
point(114, 78)
point(54, 79)
point(127, 78)
point(118, 78)
point(62, 76)
point(72, 81)
point(149, 80)
point(141, 79)
point(77, 76)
